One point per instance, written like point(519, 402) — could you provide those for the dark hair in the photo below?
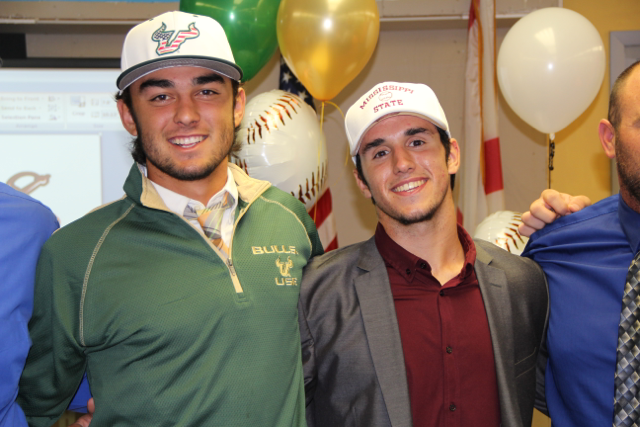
point(137, 152)
point(614, 98)
point(444, 139)
point(136, 145)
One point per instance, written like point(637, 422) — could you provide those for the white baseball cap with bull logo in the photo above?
point(176, 39)
point(390, 99)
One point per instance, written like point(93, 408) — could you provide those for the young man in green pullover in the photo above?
point(180, 299)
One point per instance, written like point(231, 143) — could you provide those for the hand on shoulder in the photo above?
point(550, 206)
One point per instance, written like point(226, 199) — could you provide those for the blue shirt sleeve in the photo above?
point(25, 225)
point(79, 401)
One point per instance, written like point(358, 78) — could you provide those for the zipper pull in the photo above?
point(231, 267)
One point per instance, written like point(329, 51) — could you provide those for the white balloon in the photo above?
point(501, 229)
point(550, 67)
point(282, 143)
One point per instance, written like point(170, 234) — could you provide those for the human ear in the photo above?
point(607, 135)
point(453, 161)
point(238, 111)
point(127, 118)
point(364, 188)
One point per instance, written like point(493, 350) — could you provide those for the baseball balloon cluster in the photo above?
point(282, 142)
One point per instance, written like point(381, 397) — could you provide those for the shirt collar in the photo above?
point(402, 260)
point(177, 203)
point(630, 220)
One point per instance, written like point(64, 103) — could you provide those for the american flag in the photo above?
point(290, 83)
point(322, 210)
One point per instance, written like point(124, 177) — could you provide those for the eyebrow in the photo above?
point(373, 144)
point(208, 78)
point(167, 84)
point(379, 141)
point(161, 83)
point(415, 131)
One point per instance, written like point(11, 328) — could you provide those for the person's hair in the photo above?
point(137, 152)
point(614, 98)
point(444, 139)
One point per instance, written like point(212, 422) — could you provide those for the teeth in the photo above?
point(409, 186)
point(189, 140)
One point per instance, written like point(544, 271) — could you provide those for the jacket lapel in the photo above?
point(383, 335)
point(493, 286)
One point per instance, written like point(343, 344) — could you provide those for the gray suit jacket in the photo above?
point(351, 349)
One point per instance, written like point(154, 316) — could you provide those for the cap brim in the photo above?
point(431, 120)
point(221, 66)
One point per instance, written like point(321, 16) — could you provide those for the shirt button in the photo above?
point(423, 265)
point(441, 293)
point(452, 407)
point(449, 350)
point(408, 271)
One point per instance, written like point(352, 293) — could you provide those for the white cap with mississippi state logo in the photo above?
point(176, 39)
point(391, 99)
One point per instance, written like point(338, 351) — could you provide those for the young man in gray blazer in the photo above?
point(419, 325)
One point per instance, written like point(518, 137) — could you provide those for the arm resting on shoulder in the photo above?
point(550, 206)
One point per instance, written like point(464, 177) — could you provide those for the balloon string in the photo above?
point(335, 105)
point(346, 159)
point(552, 152)
point(315, 207)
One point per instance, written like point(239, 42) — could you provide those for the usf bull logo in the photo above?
point(166, 44)
point(284, 267)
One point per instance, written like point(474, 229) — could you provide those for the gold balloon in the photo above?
point(326, 43)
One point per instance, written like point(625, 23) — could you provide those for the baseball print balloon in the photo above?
point(282, 142)
point(501, 229)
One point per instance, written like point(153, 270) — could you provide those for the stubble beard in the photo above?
point(422, 216)
point(165, 164)
point(628, 172)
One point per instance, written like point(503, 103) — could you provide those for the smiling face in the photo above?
point(185, 118)
point(406, 169)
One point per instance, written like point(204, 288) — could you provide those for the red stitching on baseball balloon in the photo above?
point(286, 110)
point(279, 112)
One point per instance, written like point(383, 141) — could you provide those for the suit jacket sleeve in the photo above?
point(541, 401)
point(308, 362)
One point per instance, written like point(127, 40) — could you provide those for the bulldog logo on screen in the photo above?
point(28, 187)
point(162, 37)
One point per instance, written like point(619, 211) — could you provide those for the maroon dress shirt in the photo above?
point(445, 339)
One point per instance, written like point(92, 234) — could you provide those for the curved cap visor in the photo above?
point(220, 66)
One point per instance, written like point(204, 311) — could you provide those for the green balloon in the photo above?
point(250, 26)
